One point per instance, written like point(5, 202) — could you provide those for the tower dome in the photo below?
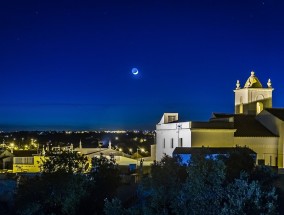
point(253, 82)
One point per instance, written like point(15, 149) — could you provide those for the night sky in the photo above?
point(67, 64)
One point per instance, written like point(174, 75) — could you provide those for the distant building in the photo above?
point(254, 124)
point(6, 160)
point(121, 158)
point(26, 161)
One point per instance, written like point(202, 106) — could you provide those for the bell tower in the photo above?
point(252, 98)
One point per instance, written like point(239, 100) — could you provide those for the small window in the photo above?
point(23, 160)
point(241, 105)
point(172, 143)
point(164, 142)
point(171, 118)
point(180, 142)
point(259, 107)
point(241, 108)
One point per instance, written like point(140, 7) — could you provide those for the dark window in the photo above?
point(260, 162)
point(171, 118)
point(180, 142)
point(24, 160)
point(172, 143)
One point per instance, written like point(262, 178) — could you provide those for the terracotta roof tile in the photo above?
point(278, 112)
point(246, 125)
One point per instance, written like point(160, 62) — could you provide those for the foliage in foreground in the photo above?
point(206, 189)
point(62, 188)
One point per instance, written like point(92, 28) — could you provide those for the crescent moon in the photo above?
point(135, 71)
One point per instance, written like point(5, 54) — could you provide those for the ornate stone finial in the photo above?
point(238, 85)
point(269, 84)
point(253, 81)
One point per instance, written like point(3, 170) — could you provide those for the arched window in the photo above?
point(259, 107)
point(241, 105)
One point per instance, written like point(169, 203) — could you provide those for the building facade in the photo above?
point(255, 124)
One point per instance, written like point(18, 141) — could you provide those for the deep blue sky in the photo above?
point(67, 64)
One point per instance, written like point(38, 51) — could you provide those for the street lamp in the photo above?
point(141, 150)
point(12, 145)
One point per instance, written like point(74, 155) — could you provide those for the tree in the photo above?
point(205, 190)
point(239, 160)
point(64, 162)
point(114, 207)
point(58, 190)
point(159, 190)
point(202, 193)
point(104, 179)
point(51, 194)
point(244, 197)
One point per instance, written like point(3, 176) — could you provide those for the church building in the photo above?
point(255, 124)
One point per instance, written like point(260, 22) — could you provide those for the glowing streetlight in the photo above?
point(141, 150)
point(12, 145)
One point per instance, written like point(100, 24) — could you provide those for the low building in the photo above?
point(26, 161)
point(6, 160)
point(121, 158)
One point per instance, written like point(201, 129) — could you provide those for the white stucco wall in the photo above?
point(167, 132)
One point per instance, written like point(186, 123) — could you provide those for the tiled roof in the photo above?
point(104, 151)
point(278, 112)
point(246, 125)
point(208, 150)
point(24, 153)
point(212, 125)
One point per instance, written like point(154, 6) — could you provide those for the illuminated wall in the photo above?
point(27, 164)
point(171, 135)
point(265, 147)
point(252, 100)
point(276, 126)
point(212, 137)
